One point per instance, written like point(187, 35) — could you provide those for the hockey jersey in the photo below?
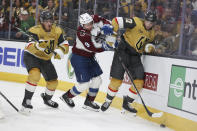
point(88, 42)
point(47, 42)
point(135, 34)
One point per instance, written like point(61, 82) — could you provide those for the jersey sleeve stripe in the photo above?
point(132, 91)
point(120, 22)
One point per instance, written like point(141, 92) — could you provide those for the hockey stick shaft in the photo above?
point(9, 101)
point(131, 78)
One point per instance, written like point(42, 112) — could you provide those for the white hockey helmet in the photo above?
point(85, 19)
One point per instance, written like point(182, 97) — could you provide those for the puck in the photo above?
point(162, 125)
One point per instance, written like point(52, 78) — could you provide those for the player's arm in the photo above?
point(33, 37)
point(98, 19)
point(123, 23)
point(63, 44)
point(152, 42)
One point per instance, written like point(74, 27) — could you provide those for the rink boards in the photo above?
point(170, 84)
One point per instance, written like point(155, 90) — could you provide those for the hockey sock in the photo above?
point(69, 94)
point(109, 98)
point(29, 90)
point(131, 95)
point(92, 93)
point(90, 98)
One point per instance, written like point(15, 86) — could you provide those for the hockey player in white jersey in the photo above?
point(87, 69)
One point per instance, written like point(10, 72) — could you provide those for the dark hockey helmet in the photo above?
point(46, 15)
point(151, 16)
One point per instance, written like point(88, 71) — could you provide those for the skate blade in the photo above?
point(25, 111)
point(89, 108)
point(124, 112)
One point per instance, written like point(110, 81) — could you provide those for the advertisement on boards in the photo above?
point(183, 89)
point(150, 81)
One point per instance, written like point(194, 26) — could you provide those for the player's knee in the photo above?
point(115, 84)
point(96, 82)
point(34, 76)
point(52, 85)
point(139, 85)
point(80, 87)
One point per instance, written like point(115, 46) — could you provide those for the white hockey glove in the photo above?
point(95, 31)
point(149, 48)
point(41, 44)
point(59, 54)
point(111, 41)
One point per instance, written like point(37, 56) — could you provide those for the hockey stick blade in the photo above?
point(157, 115)
point(154, 115)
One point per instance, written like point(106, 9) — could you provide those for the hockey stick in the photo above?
point(9, 101)
point(151, 114)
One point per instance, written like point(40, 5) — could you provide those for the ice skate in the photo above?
point(105, 106)
point(126, 106)
point(91, 105)
point(49, 102)
point(26, 107)
point(67, 100)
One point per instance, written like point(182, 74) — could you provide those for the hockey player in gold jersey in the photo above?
point(138, 33)
point(48, 41)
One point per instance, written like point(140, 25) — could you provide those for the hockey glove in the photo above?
point(111, 41)
point(59, 54)
point(149, 48)
point(106, 46)
point(107, 29)
point(41, 44)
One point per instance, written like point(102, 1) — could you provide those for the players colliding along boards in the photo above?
point(48, 38)
point(94, 35)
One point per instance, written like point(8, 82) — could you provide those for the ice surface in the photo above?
point(64, 118)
